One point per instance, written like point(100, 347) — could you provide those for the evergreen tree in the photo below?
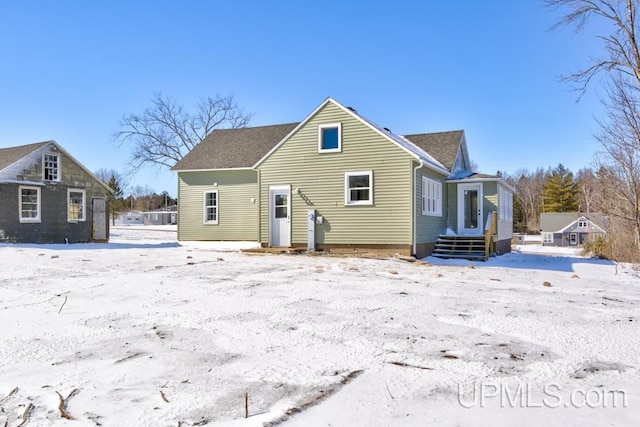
point(115, 181)
point(560, 191)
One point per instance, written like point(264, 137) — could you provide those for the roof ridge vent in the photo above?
point(352, 109)
point(387, 129)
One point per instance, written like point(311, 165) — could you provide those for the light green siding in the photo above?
point(452, 206)
point(320, 178)
point(430, 227)
point(490, 204)
point(238, 205)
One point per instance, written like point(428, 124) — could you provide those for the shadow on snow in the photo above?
point(526, 261)
point(93, 246)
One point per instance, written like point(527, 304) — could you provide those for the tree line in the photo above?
point(141, 197)
point(553, 190)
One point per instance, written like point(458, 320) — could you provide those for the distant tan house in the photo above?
point(47, 196)
point(338, 180)
point(571, 228)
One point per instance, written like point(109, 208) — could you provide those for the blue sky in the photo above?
point(70, 70)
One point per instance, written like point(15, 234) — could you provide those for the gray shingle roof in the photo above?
point(443, 146)
point(11, 155)
point(556, 221)
point(234, 148)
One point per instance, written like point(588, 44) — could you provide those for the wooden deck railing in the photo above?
point(491, 230)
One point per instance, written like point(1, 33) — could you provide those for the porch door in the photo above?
point(99, 215)
point(280, 216)
point(470, 209)
point(573, 239)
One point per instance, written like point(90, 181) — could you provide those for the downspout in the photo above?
point(415, 195)
point(259, 201)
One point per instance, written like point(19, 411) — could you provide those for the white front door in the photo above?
point(470, 209)
point(280, 215)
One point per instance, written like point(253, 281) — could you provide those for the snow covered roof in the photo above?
point(400, 140)
point(10, 155)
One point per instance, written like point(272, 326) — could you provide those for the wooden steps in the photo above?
point(463, 247)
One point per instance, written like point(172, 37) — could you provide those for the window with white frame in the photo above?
point(431, 197)
point(505, 204)
point(51, 167)
point(29, 204)
point(358, 188)
point(583, 224)
point(329, 137)
point(547, 237)
point(75, 205)
point(210, 207)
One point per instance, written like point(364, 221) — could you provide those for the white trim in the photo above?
point(472, 180)
point(21, 182)
point(582, 218)
point(212, 170)
point(460, 198)
point(414, 215)
point(324, 126)
point(215, 206)
point(84, 204)
point(431, 190)
point(547, 237)
point(347, 192)
point(38, 201)
point(58, 165)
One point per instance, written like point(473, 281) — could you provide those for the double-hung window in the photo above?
point(505, 204)
point(29, 203)
point(51, 167)
point(358, 188)
point(547, 237)
point(329, 137)
point(431, 197)
point(210, 207)
point(75, 205)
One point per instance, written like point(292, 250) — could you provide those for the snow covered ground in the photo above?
point(144, 331)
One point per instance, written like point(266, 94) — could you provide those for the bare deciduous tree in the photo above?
point(588, 186)
point(165, 132)
point(528, 196)
point(622, 52)
point(619, 136)
point(619, 133)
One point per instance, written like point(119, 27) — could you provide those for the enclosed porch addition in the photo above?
point(480, 218)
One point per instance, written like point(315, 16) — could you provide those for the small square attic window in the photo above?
point(330, 137)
